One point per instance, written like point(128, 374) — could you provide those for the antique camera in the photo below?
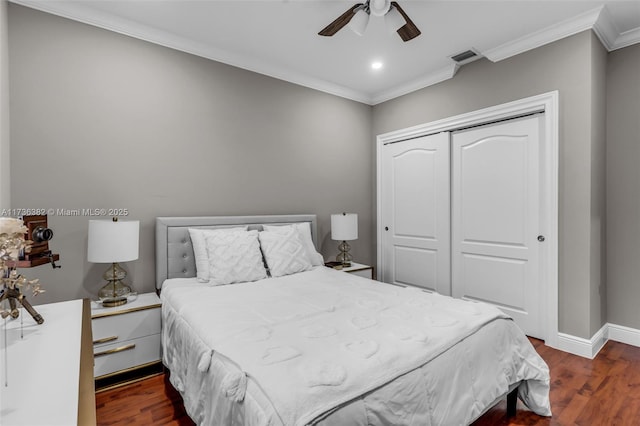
point(39, 232)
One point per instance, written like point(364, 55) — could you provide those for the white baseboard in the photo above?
point(622, 334)
point(589, 348)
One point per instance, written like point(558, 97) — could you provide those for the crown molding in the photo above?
point(606, 29)
point(627, 38)
point(442, 74)
point(609, 34)
point(77, 12)
point(599, 20)
point(566, 28)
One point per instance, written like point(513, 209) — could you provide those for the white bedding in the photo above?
point(333, 348)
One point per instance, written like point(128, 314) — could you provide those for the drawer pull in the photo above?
point(104, 340)
point(115, 350)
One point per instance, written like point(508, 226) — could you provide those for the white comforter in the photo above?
point(302, 348)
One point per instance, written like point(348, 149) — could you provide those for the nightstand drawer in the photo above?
point(110, 358)
point(360, 270)
point(365, 273)
point(114, 329)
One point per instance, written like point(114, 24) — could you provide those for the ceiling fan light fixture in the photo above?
point(394, 20)
point(358, 23)
point(379, 7)
point(357, 18)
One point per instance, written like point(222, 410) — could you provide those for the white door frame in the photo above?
point(547, 103)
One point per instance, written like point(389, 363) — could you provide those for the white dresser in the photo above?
point(47, 368)
point(126, 337)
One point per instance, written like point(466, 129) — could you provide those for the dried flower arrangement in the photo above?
point(12, 243)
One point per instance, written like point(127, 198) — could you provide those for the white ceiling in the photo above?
point(279, 37)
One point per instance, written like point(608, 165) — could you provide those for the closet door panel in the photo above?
point(495, 218)
point(413, 215)
point(416, 214)
point(493, 185)
point(492, 278)
point(416, 266)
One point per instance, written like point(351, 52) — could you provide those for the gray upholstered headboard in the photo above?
point(174, 253)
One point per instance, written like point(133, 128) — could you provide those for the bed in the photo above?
point(298, 343)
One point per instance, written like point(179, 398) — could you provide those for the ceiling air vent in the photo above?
point(465, 57)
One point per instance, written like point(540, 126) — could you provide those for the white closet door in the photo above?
point(495, 218)
point(415, 218)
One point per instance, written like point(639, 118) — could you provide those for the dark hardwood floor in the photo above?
point(600, 392)
point(152, 401)
point(604, 391)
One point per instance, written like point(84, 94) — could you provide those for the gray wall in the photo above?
point(566, 66)
point(101, 120)
point(5, 177)
point(623, 186)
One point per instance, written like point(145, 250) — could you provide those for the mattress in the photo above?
point(330, 348)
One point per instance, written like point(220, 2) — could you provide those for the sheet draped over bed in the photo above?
point(273, 335)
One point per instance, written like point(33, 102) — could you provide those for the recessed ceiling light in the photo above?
point(376, 65)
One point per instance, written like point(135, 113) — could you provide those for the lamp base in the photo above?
point(110, 302)
point(344, 256)
point(115, 292)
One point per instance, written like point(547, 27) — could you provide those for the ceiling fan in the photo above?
point(357, 17)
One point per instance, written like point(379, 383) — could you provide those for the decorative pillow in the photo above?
point(234, 257)
point(200, 249)
point(284, 252)
point(304, 233)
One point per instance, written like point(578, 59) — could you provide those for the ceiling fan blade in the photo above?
point(339, 22)
point(409, 30)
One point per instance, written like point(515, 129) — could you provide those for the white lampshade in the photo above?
point(379, 7)
point(344, 226)
point(359, 22)
point(113, 241)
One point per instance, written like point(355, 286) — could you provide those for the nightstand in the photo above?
point(126, 339)
point(360, 269)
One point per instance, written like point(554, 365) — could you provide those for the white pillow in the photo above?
point(234, 257)
point(304, 233)
point(284, 252)
point(200, 249)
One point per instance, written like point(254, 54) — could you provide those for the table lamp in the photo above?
point(344, 227)
point(113, 241)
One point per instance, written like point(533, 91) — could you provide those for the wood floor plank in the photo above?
point(602, 391)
